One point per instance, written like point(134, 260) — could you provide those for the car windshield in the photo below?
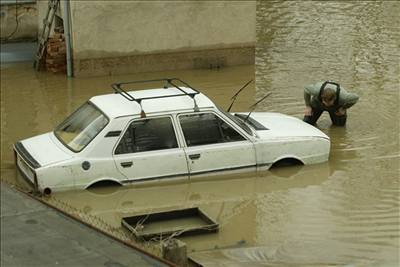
point(81, 127)
point(238, 121)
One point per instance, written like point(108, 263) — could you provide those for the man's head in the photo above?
point(328, 96)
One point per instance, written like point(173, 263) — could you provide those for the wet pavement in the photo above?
point(33, 234)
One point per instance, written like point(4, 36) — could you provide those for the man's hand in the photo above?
point(340, 112)
point(308, 111)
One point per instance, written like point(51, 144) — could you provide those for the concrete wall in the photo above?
point(18, 22)
point(117, 37)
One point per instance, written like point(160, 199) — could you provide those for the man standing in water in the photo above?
point(327, 96)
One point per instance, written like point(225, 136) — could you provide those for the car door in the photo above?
point(214, 145)
point(149, 149)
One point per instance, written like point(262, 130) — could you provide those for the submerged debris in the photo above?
point(168, 224)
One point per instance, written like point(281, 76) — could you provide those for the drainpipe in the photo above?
point(67, 34)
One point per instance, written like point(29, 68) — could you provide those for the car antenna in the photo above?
point(233, 98)
point(252, 107)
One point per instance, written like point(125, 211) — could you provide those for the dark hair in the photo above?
point(328, 94)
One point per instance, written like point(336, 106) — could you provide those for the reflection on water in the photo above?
point(231, 200)
point(343, 212)
point(353, 216)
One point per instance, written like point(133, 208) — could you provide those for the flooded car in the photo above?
point(173, 132)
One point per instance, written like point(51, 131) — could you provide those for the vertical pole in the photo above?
point(67, 34)
point(176, 251)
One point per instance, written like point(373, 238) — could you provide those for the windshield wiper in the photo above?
point(252, 107)
point(233, 98)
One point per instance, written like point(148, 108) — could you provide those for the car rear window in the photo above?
point(79, 129)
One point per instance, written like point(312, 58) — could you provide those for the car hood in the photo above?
point(280, 125)
point(46, 149)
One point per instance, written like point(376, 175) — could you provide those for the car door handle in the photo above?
point(194, 156)
point(126, 164)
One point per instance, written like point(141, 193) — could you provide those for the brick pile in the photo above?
point(56, 53)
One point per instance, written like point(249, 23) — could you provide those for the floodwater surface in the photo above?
point(343, 212)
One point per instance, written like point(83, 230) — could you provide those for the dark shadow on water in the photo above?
point(104, 188)
point(286, 169)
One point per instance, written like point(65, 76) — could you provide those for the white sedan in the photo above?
point(165, 133)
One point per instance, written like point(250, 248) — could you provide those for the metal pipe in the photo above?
point(67, 34)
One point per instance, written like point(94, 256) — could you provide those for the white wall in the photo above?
point(104, 29)
point(115, 37)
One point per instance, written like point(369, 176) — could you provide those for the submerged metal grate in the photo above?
point(161, 225)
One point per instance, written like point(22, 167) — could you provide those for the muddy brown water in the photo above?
point(343, 212)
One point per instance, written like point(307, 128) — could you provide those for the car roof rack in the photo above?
point(168, 81)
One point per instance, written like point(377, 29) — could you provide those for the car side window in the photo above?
point(207, 128)
point(148, 135)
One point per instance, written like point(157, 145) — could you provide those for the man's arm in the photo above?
point(348, 99)
point(308, 92)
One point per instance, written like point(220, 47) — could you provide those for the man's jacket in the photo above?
point(312, 96)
